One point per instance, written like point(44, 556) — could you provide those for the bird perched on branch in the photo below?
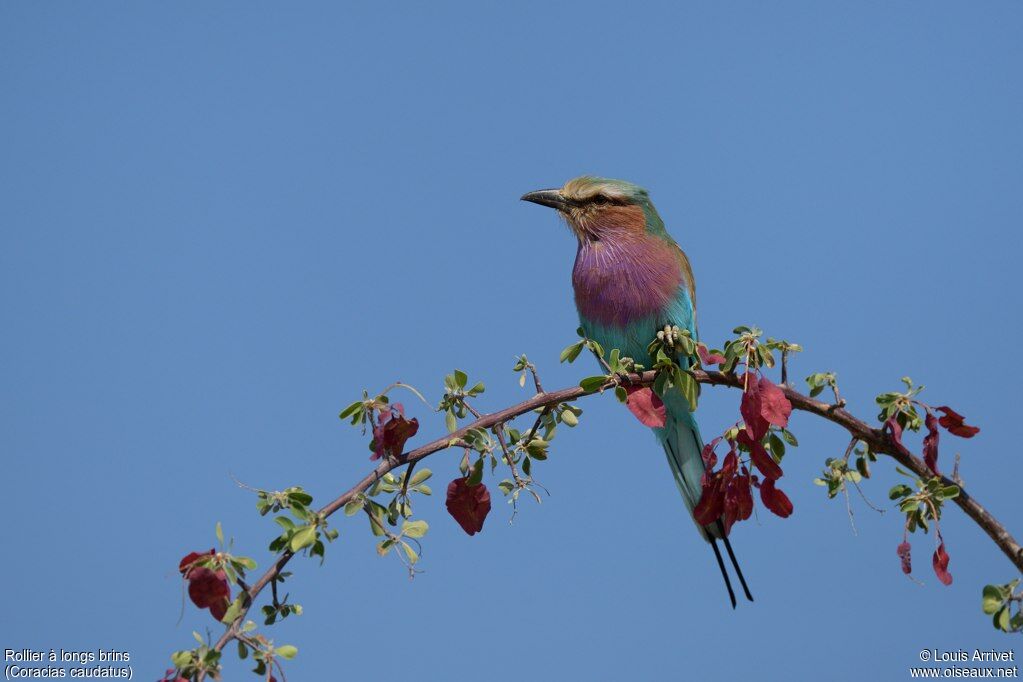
point(631, 280)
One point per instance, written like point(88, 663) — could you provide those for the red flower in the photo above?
point(191, 559)
point(893, 428)
point(391, 431)
point(953, 421)
point(759, 456)
point(903, 551)
point(712, 502)
point(468, 504)
point(738, 504)
point(763, 404)
point(646, 405)
point(208, 589)
point(940, 564)
point(707, 358)
point(774, 499)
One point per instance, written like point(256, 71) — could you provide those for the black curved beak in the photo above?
point(548, 197)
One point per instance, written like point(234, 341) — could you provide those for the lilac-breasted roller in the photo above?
point(631, 279)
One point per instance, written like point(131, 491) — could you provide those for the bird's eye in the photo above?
point(601, 200)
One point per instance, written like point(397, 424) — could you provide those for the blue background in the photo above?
point(220, 222)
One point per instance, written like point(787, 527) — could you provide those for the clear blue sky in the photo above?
point(219, 222)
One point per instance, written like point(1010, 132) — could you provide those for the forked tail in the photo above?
point(683, 447)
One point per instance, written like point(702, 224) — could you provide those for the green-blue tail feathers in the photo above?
point(683, 447)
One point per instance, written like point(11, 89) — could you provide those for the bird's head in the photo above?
point(599, 209)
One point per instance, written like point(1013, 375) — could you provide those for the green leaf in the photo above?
point(302, 539)
point(354, 506)
point(690, 389)
point(948, 492)
point(410, 553)
point(414, 529)
point(220, 534)
point(476, 473)
point(249, 564)
point(451, 422)
point(572, 352)
point(461, 378)
point(590, 384)
point(993, 599)
point(300, 497)
point(287, 651)
point(420, 476)
point(1001, 619)
point(350, 410)
point(180, 659)
point(233, 611)
point(284, 522)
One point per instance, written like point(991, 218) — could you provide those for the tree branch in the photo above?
point(877, 440)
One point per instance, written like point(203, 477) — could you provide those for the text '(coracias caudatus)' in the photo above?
point(631, 280)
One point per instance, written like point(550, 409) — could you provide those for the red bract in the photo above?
point(708, 358)
point(893, 428)
point(190, 560)
point(171, 675)
point(903, 551)
point(391, 431)
point(774, 499)
point(468, 504)
point(711, 504)
point(760, 458)
point(931, 444)
point(774, 406)
point(209, 589)
point(738, 504)
point(647, 406)
point(953, 421)
point(763, 404)
point(940, 563)
point(710, 458)
point(206, 588)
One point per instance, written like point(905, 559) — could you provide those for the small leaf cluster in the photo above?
point(838, 473)
point(278, 500)
point(998, 601)
point(204, 659)
point(453, 403)
point(263, 651)
point(308, 533)
point(398, 508)
point(360, 412)
point(674, 352)
point(747, 349)
point(280, 608)
point(835, 475)
point(400, 489)
point(924, 504)
point(618, 366)
point(901, 406)
point(233, 566)
point(818, 381)
point(410, 530)
point(572, 351)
